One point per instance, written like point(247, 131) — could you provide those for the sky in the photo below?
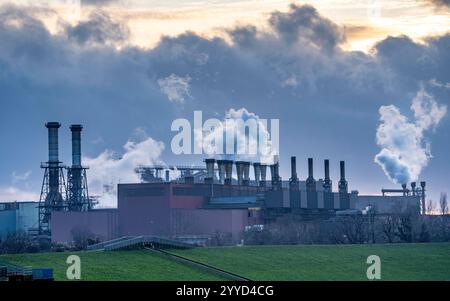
point(367, 82)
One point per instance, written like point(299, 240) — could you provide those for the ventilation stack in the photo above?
point(327, 184)
point(293, 181)
point(228, 172)
point(240, 171)
point(274, 171)
point(221, 166)
point(53, 187)
point(246, 173)
point(257, 170)
point(422, 185)
point(77, 189)
point(310, 181)
point(413, 188)
point(263, 168)
point(343, 185)
point(209, 171)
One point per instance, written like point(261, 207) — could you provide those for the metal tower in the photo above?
point(53, 189)
point(77, 188)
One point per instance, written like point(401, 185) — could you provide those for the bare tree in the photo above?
point(430, 207)
point(443, 203)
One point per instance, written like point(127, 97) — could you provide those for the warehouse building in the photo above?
point(18, 216)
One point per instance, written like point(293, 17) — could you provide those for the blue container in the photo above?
point(42, 274)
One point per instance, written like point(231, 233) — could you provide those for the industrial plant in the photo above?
point(220, 196)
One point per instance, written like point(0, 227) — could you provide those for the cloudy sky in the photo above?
point(363, 81)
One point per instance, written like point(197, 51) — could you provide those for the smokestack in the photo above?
point(422, 185)
point(263, 167)
point(327, 181)
point(167, 176)
point(310, 181)
point(240, 171)
point(221, 165)
point(246, 173)
point(209, 171)
point(310, 168)
point(228, 171)
point(413, 188)
point(293, 181)
point(53, 127)
point(404, 188)
point(293, 168)
point(274, 171)
point(343, 186)
point(76, 144)
point(257, 170)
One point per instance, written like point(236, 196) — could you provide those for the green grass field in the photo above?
point(338, 262)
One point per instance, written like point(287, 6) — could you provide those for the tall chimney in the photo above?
point(293, 181)
point(413, 188)
point(167, 176)
point(327, 181)
point(209, 171)
point(76, 144)
point(221, 165)
point(257, 170)
point(228, 172)
point(404, 189)
point(274, 170)
point(343, 185)
point(310, 181)
point(262, 183)
point(53, 127)
point(240, 171)
point(246, 173)
point(422, 185)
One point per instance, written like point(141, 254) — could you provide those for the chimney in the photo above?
point(221, 165)
point(209, 179)
point(327, 181)
point(405, 192)
point(167, 176)
point(263, 168)
point(343, 185)
point(257, 170)
point(228, 172)
point(240, 171)
point(310, 181)
point(274, 171)
point(53, 154)
point(422, 185)
point(76, 144)
point(246, 173)
point(293, 181)
point(413, 188)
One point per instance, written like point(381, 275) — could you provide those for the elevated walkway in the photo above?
point(129, 242)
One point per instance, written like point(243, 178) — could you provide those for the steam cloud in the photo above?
point(107, 171)
point(404, 152)
point(248, 145)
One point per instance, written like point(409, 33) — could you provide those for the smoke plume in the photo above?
point(106, 170)
point(404, 149)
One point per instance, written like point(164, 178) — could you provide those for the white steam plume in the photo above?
point(404, 153)
point(107, 171)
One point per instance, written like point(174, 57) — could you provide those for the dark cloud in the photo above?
point(99, 28)
point(303, 24)
point(440, 3)
point(296, 72)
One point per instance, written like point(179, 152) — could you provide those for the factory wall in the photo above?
point(7, 223)
point(102, 223)
point(209, 221)
point(386, 204)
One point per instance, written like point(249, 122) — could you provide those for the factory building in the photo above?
point(220, 203)
point(18, 216)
